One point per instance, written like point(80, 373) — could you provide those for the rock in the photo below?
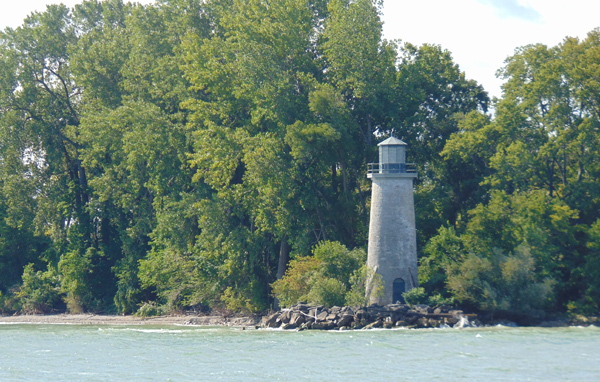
point(388, 324)
point(372, 325)
point(423, 309)
point(285, 316)
point(322, 316)
point(356, 325)
point(399, 308)
point(451, 321)
point(422, 322)
point(401, 324)
point(302, 307)
point(324, 325)
point(345, 320)
point(297, 319)
point(272, 321)
point(361, 314)
point(411, 320)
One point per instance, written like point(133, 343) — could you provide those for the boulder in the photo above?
point(297, 319)
point(423, 309)
point(361, 314)
point(302, 307)
point(322, 316)
point(272, 321)
point(422, 322)
point(345, 320)
point(324, 325)
point(375, 324)
point(399, 308)
point(285, 316)
point(288, 326)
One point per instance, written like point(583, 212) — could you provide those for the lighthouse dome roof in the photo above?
point(392, 141)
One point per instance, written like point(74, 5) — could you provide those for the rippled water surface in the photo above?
point(119, 353)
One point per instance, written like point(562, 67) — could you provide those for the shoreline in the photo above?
point(242, 321)
point(99, 319)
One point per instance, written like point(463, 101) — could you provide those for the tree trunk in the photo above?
point(284, 258)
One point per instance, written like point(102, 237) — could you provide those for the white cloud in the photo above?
point(479, 36)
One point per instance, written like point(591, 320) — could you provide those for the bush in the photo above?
point(40, 291)
point(74, 269)
point(357, 295)
point(325, 279)
point(150, 309)
point(236, 301)
point(415, 296)
point(337, 261)
point(327, 291)
point(437, 300)
point(295, 285)
point(501, 284)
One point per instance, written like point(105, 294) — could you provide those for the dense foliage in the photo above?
point(179, 155)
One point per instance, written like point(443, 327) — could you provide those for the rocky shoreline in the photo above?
point(307, 317)
point(303, 316)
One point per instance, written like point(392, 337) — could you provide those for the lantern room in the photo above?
point(392, 156)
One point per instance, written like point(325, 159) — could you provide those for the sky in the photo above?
point(480, 34)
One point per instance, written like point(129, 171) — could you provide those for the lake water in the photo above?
point(182, 353)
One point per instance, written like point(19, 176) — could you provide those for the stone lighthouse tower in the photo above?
point(392, 251)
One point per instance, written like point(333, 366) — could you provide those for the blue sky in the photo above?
point(481, 34)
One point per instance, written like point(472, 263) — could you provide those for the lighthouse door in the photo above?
point(398, 288)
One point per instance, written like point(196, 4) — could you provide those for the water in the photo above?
point(178, 353)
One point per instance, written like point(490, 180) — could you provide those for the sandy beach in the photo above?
point(93, 319)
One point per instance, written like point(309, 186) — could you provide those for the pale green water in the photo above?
point(117, 353)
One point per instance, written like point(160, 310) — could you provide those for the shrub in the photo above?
point(40, 291)
point(501, 283)
point(150, 309)
point(295, 285)
point(327, 291)
point(74, 269)
point(415, 296)
point(326, 278)
point(437, 299)
point(337, 261)
point(358, 294)
point(236, 301)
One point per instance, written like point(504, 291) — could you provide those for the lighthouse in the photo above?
point(392, 250)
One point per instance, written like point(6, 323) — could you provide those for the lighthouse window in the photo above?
point(398, 288)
